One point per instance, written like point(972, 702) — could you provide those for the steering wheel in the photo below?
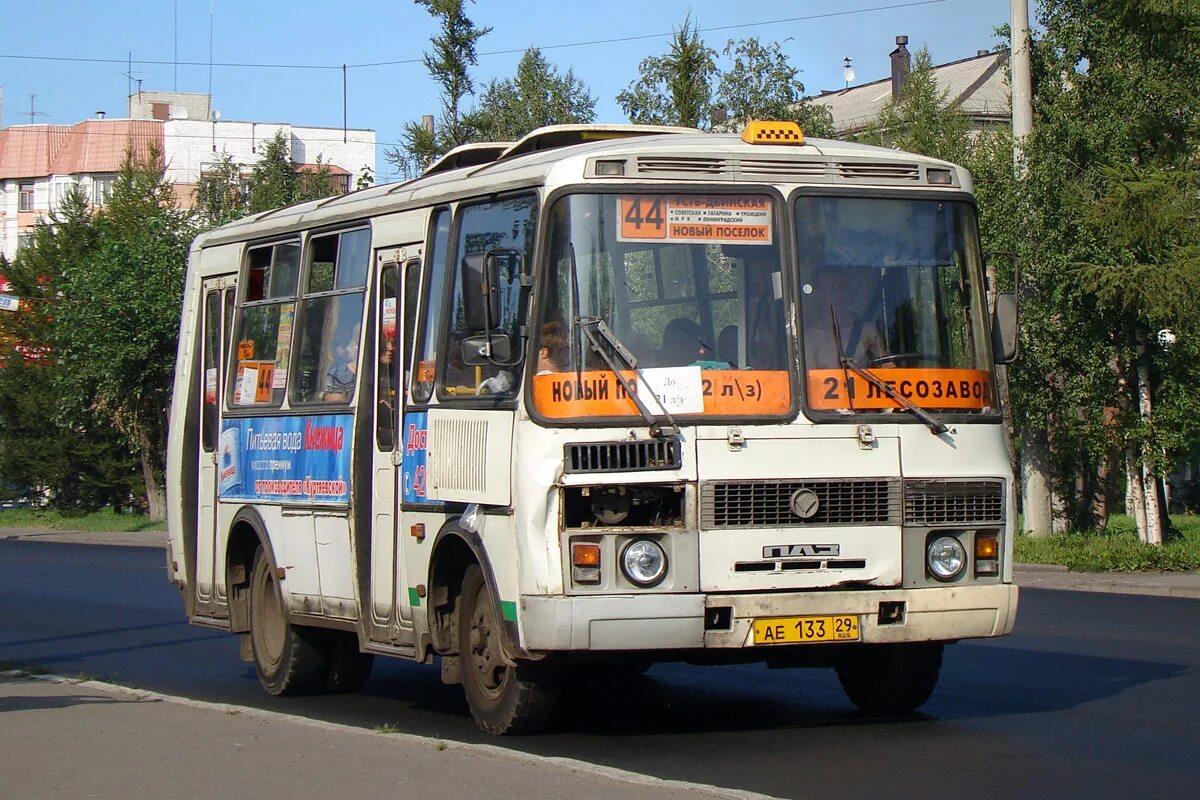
point(897, 358)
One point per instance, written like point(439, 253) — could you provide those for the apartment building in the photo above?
point(39, 163)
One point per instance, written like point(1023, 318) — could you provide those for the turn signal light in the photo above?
point(986, 547)
point(585, 555)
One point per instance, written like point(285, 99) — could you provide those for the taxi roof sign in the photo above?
point(772, 132)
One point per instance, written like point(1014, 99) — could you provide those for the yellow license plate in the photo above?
point(801, 630)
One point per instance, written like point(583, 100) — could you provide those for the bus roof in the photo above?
point(565, 153)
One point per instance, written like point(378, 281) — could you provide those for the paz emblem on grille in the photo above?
point(805, 503)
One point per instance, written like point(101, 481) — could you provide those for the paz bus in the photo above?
point(599, 398)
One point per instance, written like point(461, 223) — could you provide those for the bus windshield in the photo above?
point(690, 284)
point(893, 286)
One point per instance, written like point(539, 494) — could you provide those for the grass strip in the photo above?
point(103, 521)
point(1117, 549)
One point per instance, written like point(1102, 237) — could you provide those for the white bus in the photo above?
point(606, 396)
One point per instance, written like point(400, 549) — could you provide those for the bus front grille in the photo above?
point(953, 502)
point(641, 456)
point(769, 503)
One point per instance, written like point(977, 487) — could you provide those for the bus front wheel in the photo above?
point(289, 659)
point(885, 679)
point(504, 698)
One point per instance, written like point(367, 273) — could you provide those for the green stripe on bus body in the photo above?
point(508, 609)
point(414, 599)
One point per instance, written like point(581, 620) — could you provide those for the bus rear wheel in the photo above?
point(289, 659)
point(504, 698)
point(887, 679)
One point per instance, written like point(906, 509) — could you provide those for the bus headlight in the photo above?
point(945, 557)
point(644, 562)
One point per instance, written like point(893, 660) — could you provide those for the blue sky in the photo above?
point(357, 32)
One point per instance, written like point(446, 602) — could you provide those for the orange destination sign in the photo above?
point(565, 395)
point(831, 389)
point(707, 219)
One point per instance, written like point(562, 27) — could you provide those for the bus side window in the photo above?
point(387, 362)
point(430, 318)
point(506, 224)
point(330, 317)
point(262, 347)
point(212, 349)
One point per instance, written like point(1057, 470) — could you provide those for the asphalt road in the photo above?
point(1095, 695)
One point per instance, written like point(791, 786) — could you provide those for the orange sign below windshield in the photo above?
point(832, 389)
point(565, 395)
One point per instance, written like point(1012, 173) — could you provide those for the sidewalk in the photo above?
point(1032, 576)
point(61, 739)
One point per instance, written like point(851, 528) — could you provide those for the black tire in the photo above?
point(504, 699)
point(889, 679)
point(289, 659)
point(349, 667)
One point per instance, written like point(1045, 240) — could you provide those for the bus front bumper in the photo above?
point(677, 622)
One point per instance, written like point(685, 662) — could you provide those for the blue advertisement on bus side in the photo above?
point(416, 435)
point(290, 459)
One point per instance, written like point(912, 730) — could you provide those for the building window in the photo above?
point(341, 183)
point(26, 198)
point(102, 186)
point(24, 240)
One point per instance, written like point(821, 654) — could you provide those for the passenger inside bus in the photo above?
point(848, 295)
point(766, 346)
point(552, 348)
point(339, 381)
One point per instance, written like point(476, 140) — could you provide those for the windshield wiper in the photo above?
point(596, 330)
point(935, 425)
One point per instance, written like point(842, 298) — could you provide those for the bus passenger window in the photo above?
point(387, 362)
point(212, 350)
point(262, 347)
point(330, 318)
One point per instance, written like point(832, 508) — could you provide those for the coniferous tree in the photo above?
point(676, 87)
point(535, 97)
point(449, 64)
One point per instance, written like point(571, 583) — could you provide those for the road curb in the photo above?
point(250, 712)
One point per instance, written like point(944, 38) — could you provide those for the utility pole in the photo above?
point(1037, 500)
point(1022, 82)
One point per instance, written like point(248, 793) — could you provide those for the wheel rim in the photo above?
point(268, 630)
point(486, 662)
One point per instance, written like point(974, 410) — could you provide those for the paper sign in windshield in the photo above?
point(705, 219)
point(683, 390)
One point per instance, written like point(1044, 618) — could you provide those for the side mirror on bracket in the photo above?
point(1005, 341)
point(487, 348)
point(1005, 309)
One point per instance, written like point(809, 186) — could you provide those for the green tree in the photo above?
point(118, 319)
point(536, 96)
point(922, 118)
point(449, 64)
point(219, 197)
point(49, 449)
point(761, 84)
point(273, 179)
point(674, 88)
point(1105, 225)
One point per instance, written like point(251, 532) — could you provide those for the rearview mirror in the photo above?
point(483, 274)
point(1005, 342)
point(489, 348)
point(480, 292)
